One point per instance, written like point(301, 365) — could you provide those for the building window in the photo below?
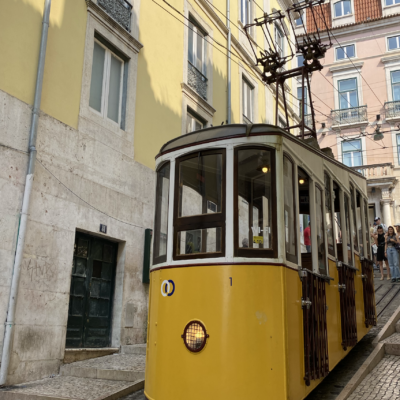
point(245, 11)
point(279, 41)
point(342, 8)
point(106, 83)
point(300, 60)
point(299, 21)
point(248, 90)
point(196, 47)
point(345, 52)
point(193, 123)
point(398, 147)
point(394, 43)
point(391, 2)
point(395, 80)
point(352, 153)
point(300, 98)
point(281, 122)
point(348, 95)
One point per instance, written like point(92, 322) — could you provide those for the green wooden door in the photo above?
point(91, 294)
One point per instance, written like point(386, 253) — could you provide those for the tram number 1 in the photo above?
point(231, 280)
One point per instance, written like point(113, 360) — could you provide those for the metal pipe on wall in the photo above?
point(10, 322)
point(228, 24)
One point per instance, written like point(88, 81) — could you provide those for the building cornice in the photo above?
point(391, 57)
point(102, 17)
point(205, 106)
point(347, 65)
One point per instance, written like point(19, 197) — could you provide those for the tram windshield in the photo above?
point(255, 200)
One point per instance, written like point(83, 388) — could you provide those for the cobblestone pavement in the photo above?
point(123, 362)
point(337, 379)
point(382, 383)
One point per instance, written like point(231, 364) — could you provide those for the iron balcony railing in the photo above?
point(349, 115)
point(197, 81)
point(120, 10)
point(392, 109)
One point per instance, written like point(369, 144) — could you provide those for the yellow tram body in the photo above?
point(252, 312)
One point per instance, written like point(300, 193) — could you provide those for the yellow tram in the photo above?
point(260, 280)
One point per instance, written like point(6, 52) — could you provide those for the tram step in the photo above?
point(116, 367)
point(68, 387)
point(392, 344)
point(134, 349)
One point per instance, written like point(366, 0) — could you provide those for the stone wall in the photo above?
point(83, 178)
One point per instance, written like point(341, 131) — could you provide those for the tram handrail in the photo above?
point(339, 264)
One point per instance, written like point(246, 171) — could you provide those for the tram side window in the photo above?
point(319, 212)
point(329, 215)
point(337, 220)
point(354, 227)
point(358, 222)
point(289, 200)
point(347, 219)
point(161, 217)
point(199, 211)
point(255, 202)
point(304, 212)
point(368, 250)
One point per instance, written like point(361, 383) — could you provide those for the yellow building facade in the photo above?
point(120, 79)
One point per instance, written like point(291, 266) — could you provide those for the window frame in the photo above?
point(277, 30)
point(299, 99)
point(397, 40)
point(245, 18)
point(322, 190)
point(163, 258)
point(245, 82)
point(204, 221)
point(359, 151)
point(290, 257)
point(342, 9)
point(109, 52)
point(353, 207)
point(392, 84)
point(191, 114)
point(196, 29)
point(344, 51)
point(348, 91)
point(255, 253)
point(395, 3)
point(332, 212)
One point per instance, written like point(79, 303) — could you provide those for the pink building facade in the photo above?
point(357, 94)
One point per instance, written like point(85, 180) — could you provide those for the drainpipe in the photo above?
point(10, 322)
point(228, 24)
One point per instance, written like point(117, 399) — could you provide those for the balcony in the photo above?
point(375, 171)
point(120, 10)
point(347, 116)
point(392, 109)
point(197, 81)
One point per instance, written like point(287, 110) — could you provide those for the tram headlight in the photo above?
point(195, 336)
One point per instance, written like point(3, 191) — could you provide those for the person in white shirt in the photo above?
point(377, 222)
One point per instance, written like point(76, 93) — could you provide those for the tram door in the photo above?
point(304, 219)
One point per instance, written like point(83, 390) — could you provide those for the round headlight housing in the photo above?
point(195, 336)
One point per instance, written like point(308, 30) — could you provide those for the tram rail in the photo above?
point(389, 302)
point(384, 296)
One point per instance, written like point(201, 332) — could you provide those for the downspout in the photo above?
point(228, 24)
point(10, 322)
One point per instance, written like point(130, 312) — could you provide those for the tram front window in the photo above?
point(199, 216)
point(255, 191)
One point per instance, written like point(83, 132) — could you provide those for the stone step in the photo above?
point(134, 349)
point(398, 327)
point(117, 367)
point(392, 344)
point(70, 387)
point(73, 355)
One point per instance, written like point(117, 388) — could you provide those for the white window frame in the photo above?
point(394, 3)
point(277, 30)
point(397, 40)
point(342, 9)
point(339, 141)
point(347, 96)
point(306, 100)
point(106, 85)
point(351, 152)
point(344, 47)
point(246, 18)
point(246, 82)
point(194, 119)
point(198, 34)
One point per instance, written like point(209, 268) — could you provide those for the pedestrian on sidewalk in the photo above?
point(377, 223)
point(380, 241)
point(391, 254)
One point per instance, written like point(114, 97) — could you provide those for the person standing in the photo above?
point(391, 254)
point(307, 238)
point(377, 223)
point(381, 244)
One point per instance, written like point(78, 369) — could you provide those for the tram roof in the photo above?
point(233, 131)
